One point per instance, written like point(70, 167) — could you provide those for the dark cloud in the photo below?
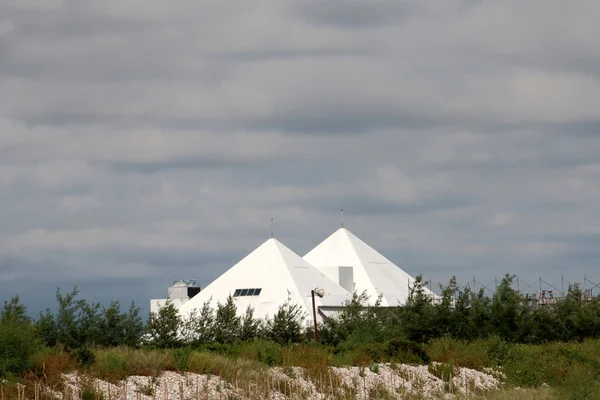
point(142, 142)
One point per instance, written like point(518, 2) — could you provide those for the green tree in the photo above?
point(67, 331)
point(227, 323)
point(14, 311)
point(508, 313)
point(286, 325)
point(46, 328)
point(445, 321)
point(198, 328)
point(163, 326)
point(250, 326)
point(418, 315)
point(132, 327)
point(18, 342)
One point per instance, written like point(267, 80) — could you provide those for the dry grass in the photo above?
point(521, 394)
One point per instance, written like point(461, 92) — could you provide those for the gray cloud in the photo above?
point(142, 143)
point(356, 14)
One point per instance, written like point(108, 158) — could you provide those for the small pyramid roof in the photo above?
point(373, 273)
point(281, 275)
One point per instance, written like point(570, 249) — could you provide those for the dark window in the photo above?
point(246, 292)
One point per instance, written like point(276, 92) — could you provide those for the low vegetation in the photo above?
point(555, 346)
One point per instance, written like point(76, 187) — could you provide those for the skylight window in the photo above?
point(246, 292)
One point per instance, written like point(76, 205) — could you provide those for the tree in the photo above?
point(18, 342)
point(227, 323)
point(286, 325)
point(198, 328)
point(14, 311)
point(46, 328)
point(444, 309)
point(132, 326)
point(163, 326)
point(67, 332)
point(418, 315)
point(117, 328)
point(507, 311)
point(250, 327)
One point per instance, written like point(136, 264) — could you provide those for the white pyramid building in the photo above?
point(372, 272)
point(267, 278)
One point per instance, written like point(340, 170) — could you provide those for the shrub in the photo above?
point(374, 351)
point(264, 351)
point(84, 356)
point(18, 342)
point(580, 384)
point(114, 363)
point(50, 364)
point(181, 358)
point(474, 355)
point(405, 351)
point(18, 345)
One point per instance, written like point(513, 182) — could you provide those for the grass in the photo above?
point(572, 370)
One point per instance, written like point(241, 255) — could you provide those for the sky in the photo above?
point(147, 141)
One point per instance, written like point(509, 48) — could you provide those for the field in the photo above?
point(485, 369)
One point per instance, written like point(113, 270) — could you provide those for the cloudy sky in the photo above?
point(144, 141)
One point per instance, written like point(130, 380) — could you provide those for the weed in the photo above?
point(374, 368)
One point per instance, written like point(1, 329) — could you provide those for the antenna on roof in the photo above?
point(272, 227)
point(342, 216)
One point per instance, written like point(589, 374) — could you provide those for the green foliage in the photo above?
point(181, 358)
point(580, 384)
point(286, 325)
point(250, 328)
point(405, 351)
point(84, 356)
point(14, 312)
point(163, 326)
point(198, 328)
point(18, 342)
point(78, 323)
point(268, 353)
point(119, 328)
point(227, 324)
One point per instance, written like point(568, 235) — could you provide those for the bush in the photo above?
point(18, 345)
point(580, 384)
point(115, 363)
point(264, 351)
point(84, 356)
point(475, 355)
point(18, 341)
point(405, 351)
point(50, 364)
point(181, 358)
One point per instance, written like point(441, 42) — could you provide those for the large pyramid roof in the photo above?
point(280, 274)
point(373, 273)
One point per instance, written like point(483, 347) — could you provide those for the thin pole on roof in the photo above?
point(272, 227)
point(342, 216)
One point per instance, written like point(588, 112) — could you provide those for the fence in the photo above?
point(540, 291)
